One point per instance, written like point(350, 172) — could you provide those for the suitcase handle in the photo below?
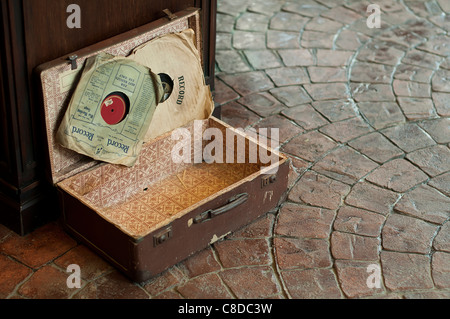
point(233, 202)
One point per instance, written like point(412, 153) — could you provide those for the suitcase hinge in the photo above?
point(169, 14)
point(73, 61)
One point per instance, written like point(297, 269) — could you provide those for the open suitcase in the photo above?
point(146, 218)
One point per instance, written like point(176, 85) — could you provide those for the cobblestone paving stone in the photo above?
point(364, 117)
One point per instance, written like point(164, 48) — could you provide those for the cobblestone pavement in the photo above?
point(363, 113)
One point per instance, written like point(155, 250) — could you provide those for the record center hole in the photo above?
point(115, 100)
point(167, 84)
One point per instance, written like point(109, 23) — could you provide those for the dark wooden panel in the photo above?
point(18, 118)
point(47, 34)
point(5, 157)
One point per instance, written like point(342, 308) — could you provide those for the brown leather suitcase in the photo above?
point(146, 218)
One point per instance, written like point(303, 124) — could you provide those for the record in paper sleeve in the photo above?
point(111, 109)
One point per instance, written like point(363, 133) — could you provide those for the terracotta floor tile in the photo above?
point(291, 95)
point(263, 59)
point(299, 253)
point(354, 247)
point(409, 137)
point(168, 279)
point(346, 130)
point(286, 129)
point(433, 160)
point(407, 234)
point(255, 282)
point(224, 93)
point(327, 74)
point(4, 232)
point(440, 270)
point(398, 175)
point(371, 72)
point(441, 102)
point(376, 147)
point(296, 57)
point(250, 21)
point(246, 40)
point(323, 25)
point(442, 240)
point(282, 40)
point(381, 114)
point(201, 263)
point(353, 278)
point(304, 221)
point(248, 82)
point(426, 203)
point(287, 76)
point(416, 108)
point(39, 247)
point(309, 9)
point(345, 165)
point(315, 39)
point(312, 284)
point(47, 283)
point(373, 198)
point(359, 221)
point(327, 91)
point(382, 51)
point(260, 228)
point(350, 40)
point(232, 62)
point(413, 73)
point(287, 21)
point(305, 116)
point(406, 271)
point(12, 274)
point(442, 183)
point(309, 146)
point(262, 104)
point(237, 115)
point(373, 92)
point(318, 190)
point(205, 287)
point(439, 129)
point(91, 265)
point(117, 286)
point(335, 110)
point(342, 15)
point(234, 253)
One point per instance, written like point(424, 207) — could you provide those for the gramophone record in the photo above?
point(114, 108)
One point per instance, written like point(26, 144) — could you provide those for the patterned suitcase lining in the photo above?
point(144, 197)
point(160, 201)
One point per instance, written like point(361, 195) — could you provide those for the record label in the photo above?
point(114, 108)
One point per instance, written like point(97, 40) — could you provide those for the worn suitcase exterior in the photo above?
point(146, 218)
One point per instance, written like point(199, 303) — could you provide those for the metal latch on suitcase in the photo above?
point(162, 236)
point(233, 202)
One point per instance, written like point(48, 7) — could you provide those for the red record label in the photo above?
point(113, 109)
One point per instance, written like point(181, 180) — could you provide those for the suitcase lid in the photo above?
point(58, 82)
